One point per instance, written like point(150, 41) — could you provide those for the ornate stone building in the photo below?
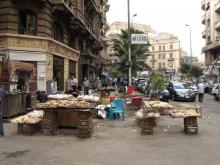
point(165, 53)
point(211, 34)
point(43, 40)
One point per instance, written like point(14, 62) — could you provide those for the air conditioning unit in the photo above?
point(218, 64)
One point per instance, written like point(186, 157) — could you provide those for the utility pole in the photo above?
point(129, 45)
point(190, 42)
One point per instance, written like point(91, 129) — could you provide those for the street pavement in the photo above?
point(120, 143)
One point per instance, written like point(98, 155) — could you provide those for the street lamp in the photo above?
point(190, 41)
point(134, 15)
point(129, 45)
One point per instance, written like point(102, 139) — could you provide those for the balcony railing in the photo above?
point(217, 26)
point(153, 60)
point(203, 19)
point(170, 59)
point(203, 4)
point(204, 34)
point(217, 7)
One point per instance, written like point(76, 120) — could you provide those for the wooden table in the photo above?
point(67, 117)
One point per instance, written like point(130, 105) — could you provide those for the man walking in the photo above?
point(201, 89)
point(2, 93)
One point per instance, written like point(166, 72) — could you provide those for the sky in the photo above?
point(165, 16)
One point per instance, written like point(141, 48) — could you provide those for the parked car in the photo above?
point(191, 86)
point(179, 92)
point(216, 92)
point(165, 95)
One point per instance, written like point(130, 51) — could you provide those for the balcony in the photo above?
point(204, 34)
point(217, 26)
point(153, 60)
point(78, 14)
point(217, 7)
point(170, 59)
point(203, 4)
point(203, 19)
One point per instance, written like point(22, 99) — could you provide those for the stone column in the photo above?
point(66, 72)
point(49, 67)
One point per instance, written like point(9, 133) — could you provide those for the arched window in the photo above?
point(58, 32)
point(27, 22)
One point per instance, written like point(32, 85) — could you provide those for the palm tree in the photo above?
point(138, 52)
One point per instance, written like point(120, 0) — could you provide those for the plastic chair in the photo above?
point(117, 107)
point(131, 89)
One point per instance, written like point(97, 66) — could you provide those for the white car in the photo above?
point(216, 91)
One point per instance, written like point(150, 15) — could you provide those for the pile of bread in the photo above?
point(30, 118)
point(157, 104)
point(60, 96)
point(184, 113)
point(142, 113)
point(69, 103)
point(88, 98)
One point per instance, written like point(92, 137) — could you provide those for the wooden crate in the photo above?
point(190, 125)
point(27, 129)
point(147, 125)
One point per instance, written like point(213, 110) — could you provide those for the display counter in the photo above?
point(14, 104)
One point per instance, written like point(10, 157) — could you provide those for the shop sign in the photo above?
point(138, 38)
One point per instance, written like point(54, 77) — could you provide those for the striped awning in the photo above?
point(20, 66)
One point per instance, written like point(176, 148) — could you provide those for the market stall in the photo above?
point(148, 114)
point(18, 79)
point(189, 115)
point(67, 112)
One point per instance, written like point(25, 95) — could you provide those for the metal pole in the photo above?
point(190, 46)
point(129, 45)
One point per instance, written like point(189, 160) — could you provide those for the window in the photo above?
point(164, 65)
point(171, 55)
point(152, 48)
point(159, 56)
point(164, 47)
point(27, 22)
point(58, 32)
point(164, 56)
point(171, 46)
point(159, 48)
point(160, 66)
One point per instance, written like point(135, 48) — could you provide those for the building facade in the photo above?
point(211, 34)
point(43, 40)
point(165, 54)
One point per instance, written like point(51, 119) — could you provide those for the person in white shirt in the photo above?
point(74, 83)
point(201, 90)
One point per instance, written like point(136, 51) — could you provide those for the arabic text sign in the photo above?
point(138, 38)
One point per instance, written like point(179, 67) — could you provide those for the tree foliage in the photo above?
point(185, 68)
point(193, 72)
point(158, 82)
point(196, 71)
point(138, 52)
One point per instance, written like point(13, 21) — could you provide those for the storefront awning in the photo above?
point(20, 66)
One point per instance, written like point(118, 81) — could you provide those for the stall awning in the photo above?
point(20, 66)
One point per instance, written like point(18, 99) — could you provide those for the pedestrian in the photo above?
point(74, 83)
point(201, 90)
point(69, 85)
point(2, 93)
point(86, 86)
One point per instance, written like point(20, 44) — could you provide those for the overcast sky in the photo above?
point(165, 16)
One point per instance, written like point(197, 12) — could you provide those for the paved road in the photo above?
point(120, 143)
